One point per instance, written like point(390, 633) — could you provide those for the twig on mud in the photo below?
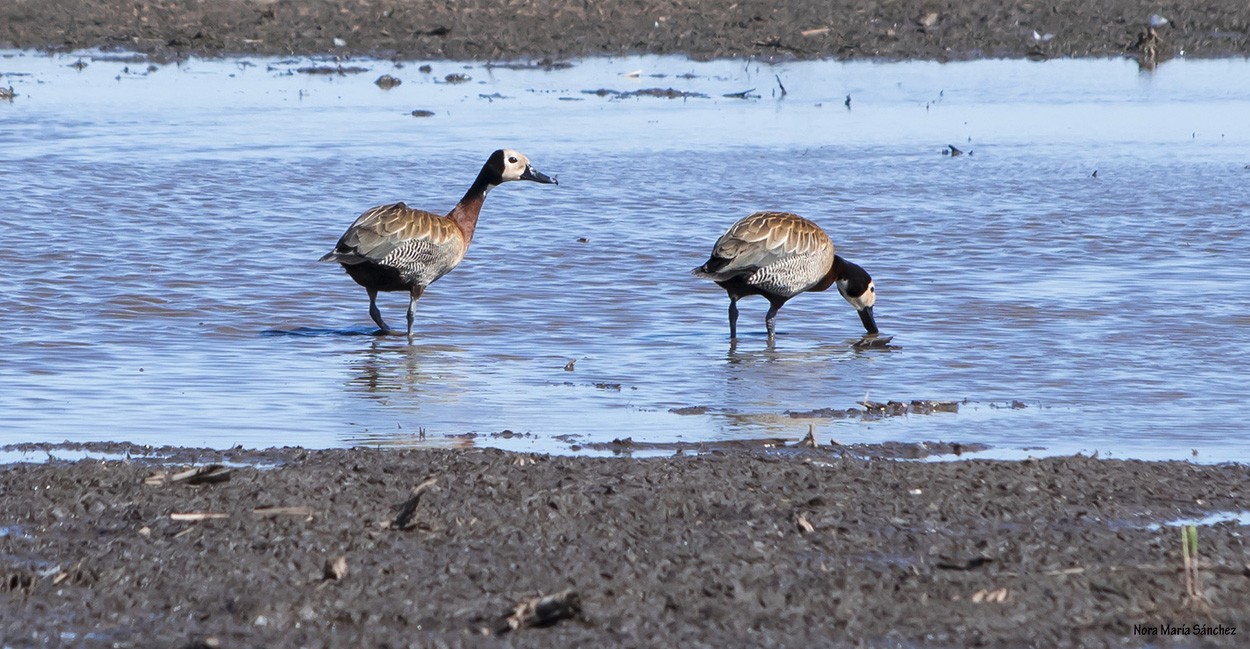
point(208, 474)
point(810, 440)
point(196, 516)
point(541, 611)
point(959, 563)
point(403, 520)
point(280, 510)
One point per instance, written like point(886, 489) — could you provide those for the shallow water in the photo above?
point(163, 226)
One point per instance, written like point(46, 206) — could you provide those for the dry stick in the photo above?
point(196, 516)
point(810, 440)
point(779, 84)
point(281, 510)
point(208, 474)
point(403, 520)
point(541, 611)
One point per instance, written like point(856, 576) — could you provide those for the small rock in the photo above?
point(335, 568)
point(386, 82)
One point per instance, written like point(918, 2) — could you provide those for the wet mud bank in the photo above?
point(479, 30)
point(486, 548)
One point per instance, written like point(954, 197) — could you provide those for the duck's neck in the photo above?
point(829, 278)
point(465, 213)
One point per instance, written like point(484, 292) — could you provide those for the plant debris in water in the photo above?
point(663, 93)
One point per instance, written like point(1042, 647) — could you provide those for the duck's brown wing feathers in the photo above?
point(393, 233)
point(762, 239)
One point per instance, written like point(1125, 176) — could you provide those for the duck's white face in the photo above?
point(517, 167)
point(514, 165)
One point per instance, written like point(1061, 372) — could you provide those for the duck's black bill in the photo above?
point(537, 176)
point(865, 316)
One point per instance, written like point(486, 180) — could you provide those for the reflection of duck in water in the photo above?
point(397, 248)
point(779, 255)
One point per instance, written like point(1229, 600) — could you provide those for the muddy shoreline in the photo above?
point(537, 29)
point(730, 547)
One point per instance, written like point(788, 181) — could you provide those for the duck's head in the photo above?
point(856, 286)
point(512, 165)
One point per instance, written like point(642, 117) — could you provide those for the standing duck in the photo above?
point(779, 255)
point(397, 248)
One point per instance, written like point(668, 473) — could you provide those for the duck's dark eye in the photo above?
point(512, 160)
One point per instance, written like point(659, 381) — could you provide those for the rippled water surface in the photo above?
point(162, 226)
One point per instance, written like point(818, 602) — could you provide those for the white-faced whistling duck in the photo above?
point(397, 248)
point(779, 255)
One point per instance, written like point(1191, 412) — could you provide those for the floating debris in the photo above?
point(7, 94)
point(545, 64)
point(689, 410)
point(873, 408)
point(872, 341)
point(568, 367)
point(422, 113)
point(386, 82)
point(425, 68)
point(745, 94)
point(331, 69)
point(457, 77)
point(664, 93)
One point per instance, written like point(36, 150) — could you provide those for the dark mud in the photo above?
point(485, 30)
point(737, 547)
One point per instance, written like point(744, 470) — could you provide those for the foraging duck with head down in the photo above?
point(779, 255)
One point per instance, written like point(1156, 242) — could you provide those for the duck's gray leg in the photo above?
point(733, 317)
point(412, 307)
point(769, 319)
point(374, 312)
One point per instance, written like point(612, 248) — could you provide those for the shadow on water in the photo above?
point(316, 332)
point(748, 352)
